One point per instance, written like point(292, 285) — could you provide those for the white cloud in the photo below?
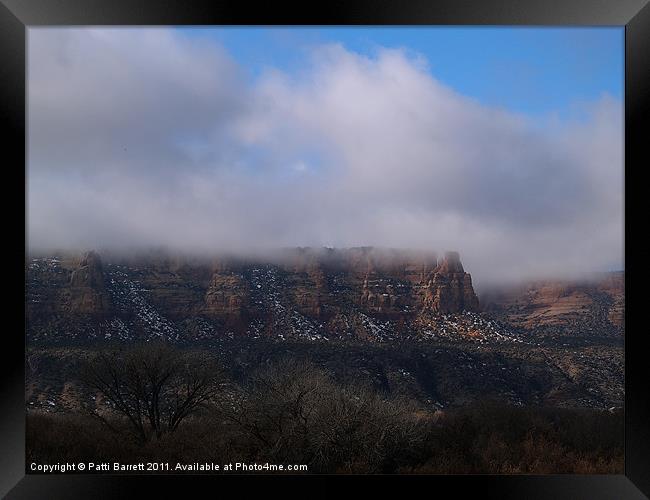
point(145, 137)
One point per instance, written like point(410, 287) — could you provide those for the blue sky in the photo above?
point(528, 70)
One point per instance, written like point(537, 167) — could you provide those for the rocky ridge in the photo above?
point(405, 322)
point(316, 294)
point(320, 293)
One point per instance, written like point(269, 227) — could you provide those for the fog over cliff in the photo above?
point(143, 137)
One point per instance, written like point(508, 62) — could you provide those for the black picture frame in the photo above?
point(17, 15)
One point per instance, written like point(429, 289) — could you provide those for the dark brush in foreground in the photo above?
point(291, 412)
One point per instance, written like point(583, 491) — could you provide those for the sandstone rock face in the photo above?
point(316, 282)
point(226, 295)
point(347, 289)
point(380, 281)
point(88, 294)
point(309, 291)
point(351, 293)
point(378, 298)
point(596, 304)
point(449, 288)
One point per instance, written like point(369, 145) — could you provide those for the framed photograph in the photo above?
point(371, 240)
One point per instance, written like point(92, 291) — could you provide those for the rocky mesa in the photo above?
point(234, 293)
point(363, 293)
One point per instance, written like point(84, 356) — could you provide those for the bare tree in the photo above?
point(154, 386)
point(294, 412)
point(277, 406)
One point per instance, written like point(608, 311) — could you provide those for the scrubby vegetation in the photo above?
point(291, 411)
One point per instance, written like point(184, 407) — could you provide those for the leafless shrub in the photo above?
point(154, 386)
point(295, 412)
